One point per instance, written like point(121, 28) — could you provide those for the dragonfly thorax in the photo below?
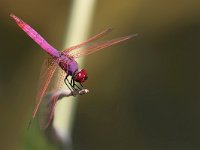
point(69, 65)
point(80, 76)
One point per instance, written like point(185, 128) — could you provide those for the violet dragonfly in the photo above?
point(65, 59)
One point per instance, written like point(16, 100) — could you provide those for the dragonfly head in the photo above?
point(81, 76)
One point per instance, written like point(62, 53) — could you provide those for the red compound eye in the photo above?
point(81, 76)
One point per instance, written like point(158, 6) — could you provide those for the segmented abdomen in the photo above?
point(36, 37)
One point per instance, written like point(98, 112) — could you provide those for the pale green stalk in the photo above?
point(76, 31)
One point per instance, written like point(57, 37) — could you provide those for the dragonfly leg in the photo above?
point(78, 88)
point(72, 85)
point(75, 85)
point(69, 87)
point(81, 84)
point(72, 81)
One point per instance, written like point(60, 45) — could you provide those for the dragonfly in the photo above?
point(65, 59)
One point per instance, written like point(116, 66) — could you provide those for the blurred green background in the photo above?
point(144, 93)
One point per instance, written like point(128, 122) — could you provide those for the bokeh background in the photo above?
point(144, 93)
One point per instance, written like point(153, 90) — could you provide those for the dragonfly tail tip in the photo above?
point(12, 15)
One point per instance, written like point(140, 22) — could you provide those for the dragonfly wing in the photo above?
point(48, 106)
point(47, 113)
point(89, 40)
point(48, 68)
point(36, 37)
point(98, 46)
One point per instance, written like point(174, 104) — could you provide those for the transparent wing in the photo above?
point(98, 46)
point(89, 40)
point(48, 105)
point(47, 112)
point(48, 68)
point(51, 78)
